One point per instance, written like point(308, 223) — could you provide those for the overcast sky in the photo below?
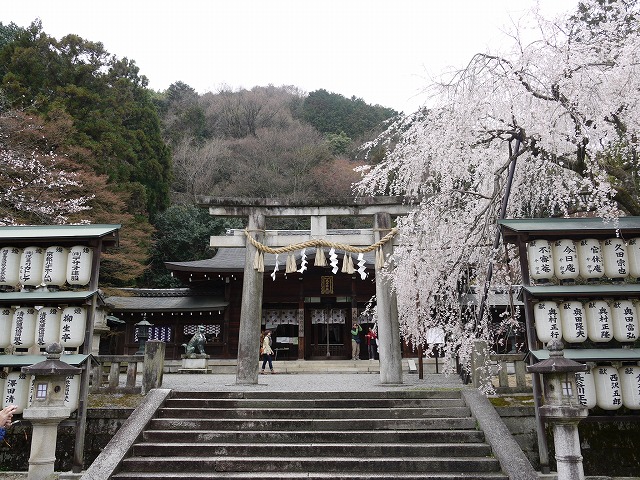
point(383, 51)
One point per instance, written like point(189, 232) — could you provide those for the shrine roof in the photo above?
point(166, 304)
point(525, 229)
point(39, 234)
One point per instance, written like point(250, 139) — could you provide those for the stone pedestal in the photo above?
point(564, 421)
point(43, 442)
point(194, 363)
point(153, 365)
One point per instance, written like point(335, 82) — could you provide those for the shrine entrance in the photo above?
point(321, 330)
point(329, 325)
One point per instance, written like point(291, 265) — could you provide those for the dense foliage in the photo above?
point(106, 99)
point(82, 139)
point(251, 143)
point(182, 234)
point(335, 114)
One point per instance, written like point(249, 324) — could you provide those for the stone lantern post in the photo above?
point(143, 334)
point(562, 408)
point(47, 410)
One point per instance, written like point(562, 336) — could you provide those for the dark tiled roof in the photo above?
point(163, 303)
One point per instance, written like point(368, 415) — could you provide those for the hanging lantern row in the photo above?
point(25, 327)
point(320, 257)
point(39, 266)
point(597, 320)
point(17, 389)
point(609, 387)
point(589, 259)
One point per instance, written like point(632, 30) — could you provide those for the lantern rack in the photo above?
point(572, 262)
point(45, 268)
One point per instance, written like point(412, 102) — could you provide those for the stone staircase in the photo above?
point(416, 434)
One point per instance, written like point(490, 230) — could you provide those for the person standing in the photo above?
point(372, 343)
point(355, 341)
point(266, 351)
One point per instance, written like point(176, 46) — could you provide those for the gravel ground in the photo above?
point(315, 382)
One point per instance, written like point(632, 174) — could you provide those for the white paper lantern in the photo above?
point(547, 319)
point(574, 323)
point(599, 323)
point(10, 266)
point(633, 250)
point(630, 386)
point(23, 327)
point(54, 270)
point(16, 390)
point(540, 260)
point(586, 389)
point(48, 328)
point(565, 259)
point(72, 391)
point(590, 258)
point(616, 258)
point(72, 326)
point(608, 393)
point(79, 265)
point(625, 321)
point(6, 317)
point(31, 262)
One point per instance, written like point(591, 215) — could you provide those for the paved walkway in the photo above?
point(315, 382)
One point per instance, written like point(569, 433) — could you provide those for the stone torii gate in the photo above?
point(257, 211)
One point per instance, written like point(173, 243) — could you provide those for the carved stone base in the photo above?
point(194, 363)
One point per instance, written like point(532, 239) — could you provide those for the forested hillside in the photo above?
point(83, 138)
point(264, 142)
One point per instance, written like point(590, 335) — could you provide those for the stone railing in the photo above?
point(512, 372)
point(510, 368)
point(107, 372)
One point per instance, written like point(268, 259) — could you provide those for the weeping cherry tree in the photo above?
point(551, 125)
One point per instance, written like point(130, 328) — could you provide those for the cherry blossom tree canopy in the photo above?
point(563, 109)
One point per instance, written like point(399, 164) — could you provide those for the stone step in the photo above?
point(312, 435)
point(283, 449)
point(326, 436)
point(313, 424)
point(273, 403)
point(312, 475)
point(276, 465)
point(362, 396)
point(317, 413)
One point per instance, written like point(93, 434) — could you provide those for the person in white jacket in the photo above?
point(266, 351)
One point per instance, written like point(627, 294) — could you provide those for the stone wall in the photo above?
point(521, 422)
point(609, 448)
point(102, 424)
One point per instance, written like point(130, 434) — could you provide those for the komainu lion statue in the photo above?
point(196, 343)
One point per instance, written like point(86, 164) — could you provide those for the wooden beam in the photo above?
point(275, 241)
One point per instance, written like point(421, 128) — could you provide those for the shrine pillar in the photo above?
point(251, 308)
point(389, 345)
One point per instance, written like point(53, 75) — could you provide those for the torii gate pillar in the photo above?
point(388, 326)
point(251, 309)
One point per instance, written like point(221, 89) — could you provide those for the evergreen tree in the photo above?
point(106, 99)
